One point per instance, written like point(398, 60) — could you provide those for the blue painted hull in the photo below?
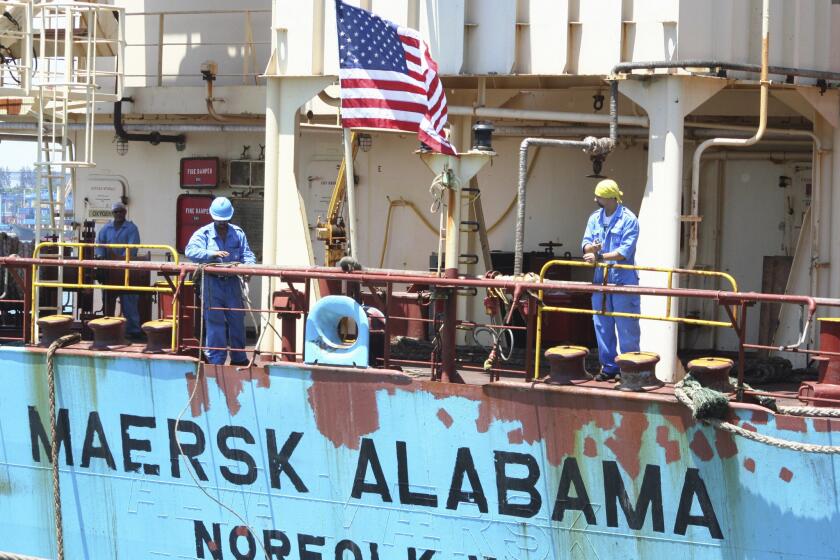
point(324, 463)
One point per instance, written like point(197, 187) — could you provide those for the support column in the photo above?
point(285, 228)
point(666, 100)
point(834, 245)
point(821, 208)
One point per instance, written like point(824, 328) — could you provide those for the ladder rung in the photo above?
point(468, 258)
point(471, 226)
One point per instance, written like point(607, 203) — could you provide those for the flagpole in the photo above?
point(350, 178)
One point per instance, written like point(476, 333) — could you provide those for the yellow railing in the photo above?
point(128, 249)
point(670, 272)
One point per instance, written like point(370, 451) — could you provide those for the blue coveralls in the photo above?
point(126, 233)
point(619, 234)
point(225, 329)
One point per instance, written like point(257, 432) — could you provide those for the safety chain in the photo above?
point(65, 340)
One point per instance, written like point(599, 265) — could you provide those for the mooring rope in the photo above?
point(711, 407)
point(13, 556)
point(65, 340)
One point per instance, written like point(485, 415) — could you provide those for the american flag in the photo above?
point(388, 78)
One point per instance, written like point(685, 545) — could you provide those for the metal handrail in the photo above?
point(80, 284)
point(541, 307)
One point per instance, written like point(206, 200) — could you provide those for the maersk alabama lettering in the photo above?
point(517, 496)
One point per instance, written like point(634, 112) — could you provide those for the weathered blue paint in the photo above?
point(112, 513)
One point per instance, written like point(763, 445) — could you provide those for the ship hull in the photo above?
point(159, 459)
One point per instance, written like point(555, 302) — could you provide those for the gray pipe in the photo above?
point(590, 145)
point(627, 67)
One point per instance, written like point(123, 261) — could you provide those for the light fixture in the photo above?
point(597, 164)
point(122, 145)
point(483, 136)
point(365, 142)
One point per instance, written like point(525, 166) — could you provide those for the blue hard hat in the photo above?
point(221, 209)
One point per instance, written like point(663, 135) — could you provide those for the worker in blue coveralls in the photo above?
point(121, 231)
point(222, 242)
point(611, 235)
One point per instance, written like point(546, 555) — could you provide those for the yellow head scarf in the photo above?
point(607, 188)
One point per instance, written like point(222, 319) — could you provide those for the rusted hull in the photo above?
point(348, 463)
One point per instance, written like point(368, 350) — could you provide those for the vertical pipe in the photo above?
point(318, 37)
point(161, 17)
point(350, 178)
point(736, 142)
point(833, 248)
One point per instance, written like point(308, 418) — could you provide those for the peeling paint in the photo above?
point(700, 446)
point(671, 447)
point(760, 417)
point(445, 418)
point(627, 442)
point(590, 449)
point(725, 444)
point(791, 423)
point(515, 436)
point(786, 474)
point(749, 464)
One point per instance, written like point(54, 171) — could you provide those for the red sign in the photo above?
point(193, 211)
point(199, 173)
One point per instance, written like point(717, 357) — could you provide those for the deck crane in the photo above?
point(331, 229)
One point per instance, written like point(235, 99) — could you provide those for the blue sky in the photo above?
point(15, 155)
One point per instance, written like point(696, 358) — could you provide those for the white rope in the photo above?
point(755, 436)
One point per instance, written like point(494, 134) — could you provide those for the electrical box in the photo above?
point(246, 173)
point(192, 212)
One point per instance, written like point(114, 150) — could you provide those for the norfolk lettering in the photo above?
point(515, 490)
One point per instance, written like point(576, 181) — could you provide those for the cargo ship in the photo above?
point(420, 381)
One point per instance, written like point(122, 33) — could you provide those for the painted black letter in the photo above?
point(427, 554)
point(368, 456)
point(233, 541)
point(464, 465)
point(304, 541)
point(240, 455)
point(568, 478)
point(129, 444)
point(278, 463)
point(526, 485)
point(344, 545)
point(202, 538)
point(191, 450)
point(694, 486)
point(406, 495)
point(102, 451)
point(62, 434)
point(650, 494)
point(276, 552)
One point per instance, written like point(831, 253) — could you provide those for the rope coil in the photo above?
point(711, 407)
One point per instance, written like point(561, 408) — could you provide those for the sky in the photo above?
point(15, 155)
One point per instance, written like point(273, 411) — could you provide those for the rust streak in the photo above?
point(700, 446)
point(749, 464)
point(200, 400)
point(672, 448)
point(750, 427)
point(445, 418)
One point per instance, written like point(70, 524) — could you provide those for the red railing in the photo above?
point(380, 285)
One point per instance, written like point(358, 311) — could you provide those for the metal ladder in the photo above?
point(70, 41)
